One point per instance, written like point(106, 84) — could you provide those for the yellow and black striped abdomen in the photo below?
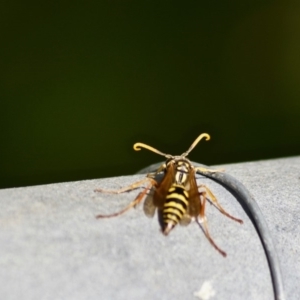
point(175, 206)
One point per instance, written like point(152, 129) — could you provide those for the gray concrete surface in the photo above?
point(52, 247)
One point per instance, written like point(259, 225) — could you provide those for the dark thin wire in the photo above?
point(239, 191)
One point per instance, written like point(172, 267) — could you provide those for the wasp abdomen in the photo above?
point(175, 206)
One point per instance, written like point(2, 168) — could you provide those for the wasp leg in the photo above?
point(127, 188)
point(203, 224)
point(135, 202)
point(202, 169)
point(159, 170)
point(215, 201)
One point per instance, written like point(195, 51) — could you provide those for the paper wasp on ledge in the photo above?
point(177, 197)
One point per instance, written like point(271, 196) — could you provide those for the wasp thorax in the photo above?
point(181, 172)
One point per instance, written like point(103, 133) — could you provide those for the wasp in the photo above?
point(177, 197)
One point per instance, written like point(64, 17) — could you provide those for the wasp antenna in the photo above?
point(139, 146)
point(197, 140)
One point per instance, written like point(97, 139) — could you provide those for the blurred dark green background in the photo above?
point(82, 81)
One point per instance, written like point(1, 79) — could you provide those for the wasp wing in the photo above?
point(195, 204)
point(149, 207)
point(161, 190)
point(185, 220)
point(197, 208)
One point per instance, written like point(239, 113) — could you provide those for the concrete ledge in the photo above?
point(52, 247)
